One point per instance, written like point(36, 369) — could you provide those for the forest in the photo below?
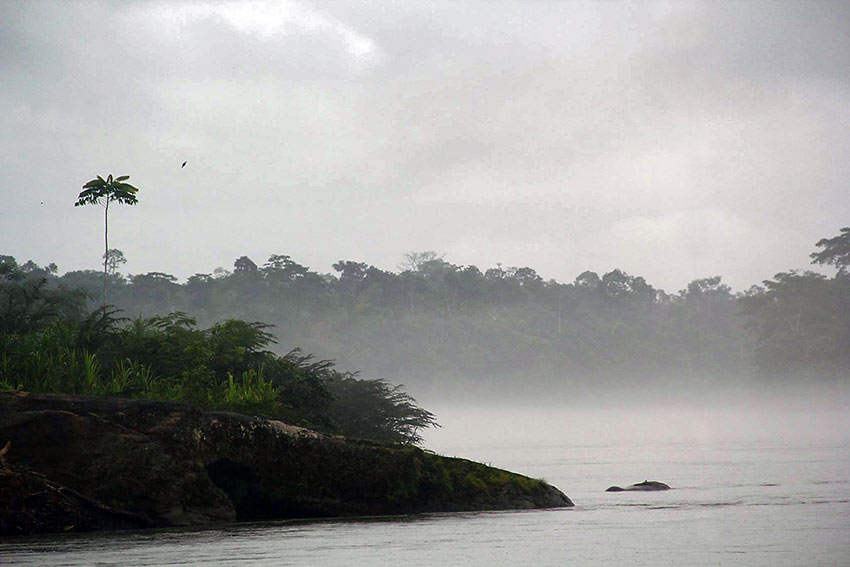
point(434, 326)
point(52, 341)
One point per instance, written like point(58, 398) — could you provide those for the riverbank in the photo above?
point(88, 463)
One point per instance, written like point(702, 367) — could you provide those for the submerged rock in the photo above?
point(82, 463)
point(645, 486)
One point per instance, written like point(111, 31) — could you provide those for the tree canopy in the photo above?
point(836, 251)
point(443, 328)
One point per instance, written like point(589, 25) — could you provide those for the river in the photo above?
point(749, 488)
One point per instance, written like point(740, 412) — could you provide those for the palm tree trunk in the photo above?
point(105, 245)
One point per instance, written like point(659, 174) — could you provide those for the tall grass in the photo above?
point(251, 392)
point(81, 372)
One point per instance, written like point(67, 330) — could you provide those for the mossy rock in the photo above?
point(167, 464)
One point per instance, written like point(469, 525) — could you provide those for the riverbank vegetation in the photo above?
point(50, 342)
point(436, 326)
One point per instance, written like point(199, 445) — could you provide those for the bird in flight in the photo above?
point(184, 164)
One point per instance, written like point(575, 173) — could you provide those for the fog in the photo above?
point(771, 417)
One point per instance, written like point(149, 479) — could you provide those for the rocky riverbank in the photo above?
point(79, 463)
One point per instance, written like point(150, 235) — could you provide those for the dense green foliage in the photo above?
point(50, 343)
point(438, 326)
point(443, 327)
point(802, 325)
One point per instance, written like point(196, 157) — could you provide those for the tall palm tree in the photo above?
point(102, 191)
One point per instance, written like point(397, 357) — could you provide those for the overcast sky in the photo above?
point(670, 140)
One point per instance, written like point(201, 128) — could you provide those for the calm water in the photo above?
point(757, 489)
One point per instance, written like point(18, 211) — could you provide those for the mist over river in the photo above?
point(768, 485)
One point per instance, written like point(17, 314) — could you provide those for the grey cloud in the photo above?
point(563, 136)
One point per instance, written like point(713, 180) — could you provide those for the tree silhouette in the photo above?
point(102, 191)
point(114, 258)
point(836, 251)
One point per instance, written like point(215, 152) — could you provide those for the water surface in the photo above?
point(775, 493)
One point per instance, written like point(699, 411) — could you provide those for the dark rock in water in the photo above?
point(645, 486)
point(80, 463)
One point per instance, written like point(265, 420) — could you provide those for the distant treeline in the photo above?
point(444, 326)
